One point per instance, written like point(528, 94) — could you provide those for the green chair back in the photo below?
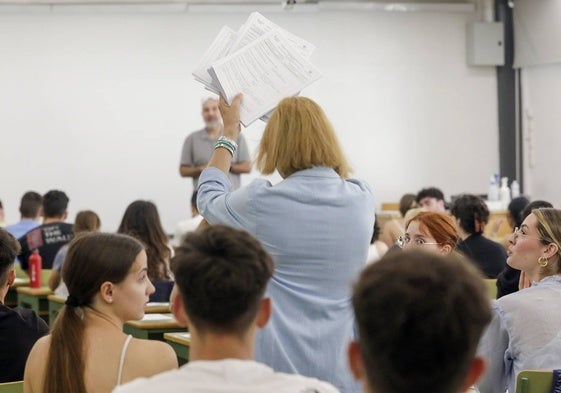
point(11, 387)
point(534, 381)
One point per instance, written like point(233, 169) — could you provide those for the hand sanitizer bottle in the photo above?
point(515, 189)
point(493, 191)
point(505, 192)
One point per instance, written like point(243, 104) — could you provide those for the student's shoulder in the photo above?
point(300, 383)
point(162, 355)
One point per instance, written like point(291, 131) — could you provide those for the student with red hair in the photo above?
point(431, 231)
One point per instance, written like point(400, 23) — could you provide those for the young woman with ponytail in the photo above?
point(87, 351)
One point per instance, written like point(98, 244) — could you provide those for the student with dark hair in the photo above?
point(19, 327)
point(508, 280)
point(49, 237)
point(221, 275)
point(30, 210)
point(142, 221)
point(420, 316)
point(472, 215)
point(431, 199)
point(106, 276)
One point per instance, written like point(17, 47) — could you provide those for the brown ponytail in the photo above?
point(92, 259)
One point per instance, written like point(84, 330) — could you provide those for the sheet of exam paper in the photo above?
point(265, 71)
point(219, 48)
point(257, 26)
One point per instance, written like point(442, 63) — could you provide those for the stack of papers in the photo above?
point(261, 60)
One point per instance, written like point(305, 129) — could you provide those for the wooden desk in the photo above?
point(157, 308)
point(36, 299)
point(11, 299)
point(180, 343)
point(56, 303)
point(153, 326)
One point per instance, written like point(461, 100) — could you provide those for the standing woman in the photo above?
point(87, 350)
point(142, 221)
point(317, 225)
point(525, 332)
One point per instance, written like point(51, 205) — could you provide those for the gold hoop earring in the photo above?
point(542, 261)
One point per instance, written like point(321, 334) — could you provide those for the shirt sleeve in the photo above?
point(59, 259)
point(243, 151)
point(494, 347)
point(218, 205)
point(187, 152)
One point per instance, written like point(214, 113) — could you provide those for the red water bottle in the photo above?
point(35, 266)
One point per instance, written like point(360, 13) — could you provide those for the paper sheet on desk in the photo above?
point(156, 317)
point(265, 71)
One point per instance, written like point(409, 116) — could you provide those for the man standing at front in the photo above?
point(199, 146)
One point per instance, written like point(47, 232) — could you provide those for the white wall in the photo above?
point(542, 136)
point(99, 104)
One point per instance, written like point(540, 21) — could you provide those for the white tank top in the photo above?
point(122, 360)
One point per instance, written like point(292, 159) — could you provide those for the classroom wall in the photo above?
point(98, 103)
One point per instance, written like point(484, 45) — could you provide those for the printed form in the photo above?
point(265, 71)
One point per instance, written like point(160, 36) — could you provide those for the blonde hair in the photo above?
point(549, 229)
point(299, 136)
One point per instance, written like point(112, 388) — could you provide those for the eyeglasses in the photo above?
point(518, 233)
point(402, 241)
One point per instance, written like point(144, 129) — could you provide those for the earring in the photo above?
point(542, 261)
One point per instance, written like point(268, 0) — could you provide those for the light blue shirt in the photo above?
point(524, 334)
point(317, 227)
point(21, 228)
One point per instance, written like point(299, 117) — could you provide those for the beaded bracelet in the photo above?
point(225, 145)
point(230, 140)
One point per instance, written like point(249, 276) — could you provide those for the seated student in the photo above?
point(525, 333)
point(186, 226)
point(19, 327)
point(508, 281)
point(142, 221)
point(395, 227)
point(87, 350)
point(472, 215)
point(420, 316)
point(30, 210)
point(220, 279)
point(49, 237)
point(86, 221)
point(377, 248)
point(432, 200)
point(430, 231)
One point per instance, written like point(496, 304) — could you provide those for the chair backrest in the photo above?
point(11, 387)
point(491, 284)
point(534, 381)
point(163, 291)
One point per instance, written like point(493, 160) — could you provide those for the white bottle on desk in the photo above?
point(504, 192)
point(493, 191)
point(514, 189)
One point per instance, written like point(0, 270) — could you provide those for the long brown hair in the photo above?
point(142, 221)
point(92, 259)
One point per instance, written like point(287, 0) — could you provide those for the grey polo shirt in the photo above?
point(198, 148)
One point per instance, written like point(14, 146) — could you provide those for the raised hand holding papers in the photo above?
point(264, 62)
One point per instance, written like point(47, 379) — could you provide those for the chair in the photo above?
point(11, 387)
point(491, 284)
point(534, 381)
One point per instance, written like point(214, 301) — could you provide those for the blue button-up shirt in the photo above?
point(317, 226)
